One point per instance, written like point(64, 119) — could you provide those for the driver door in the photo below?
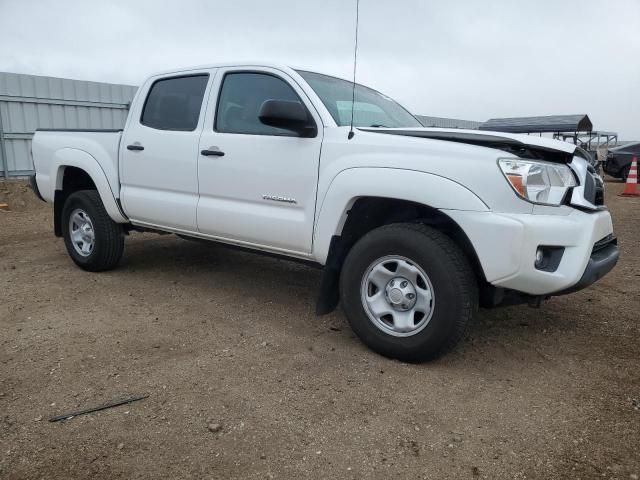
point(258, 187)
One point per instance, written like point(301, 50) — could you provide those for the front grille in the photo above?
point(599, 196)
point(589, 195)
point(593, 188)
point(589, 188)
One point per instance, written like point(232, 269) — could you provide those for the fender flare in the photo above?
point(72, 157)
point(401, 184)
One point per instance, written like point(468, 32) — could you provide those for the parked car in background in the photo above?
point(618, 162)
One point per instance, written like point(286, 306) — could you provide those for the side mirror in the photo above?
point(289, 116)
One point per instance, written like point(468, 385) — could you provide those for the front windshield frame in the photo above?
point(372, 108)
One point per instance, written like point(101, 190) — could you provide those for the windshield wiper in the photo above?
point(378, 125)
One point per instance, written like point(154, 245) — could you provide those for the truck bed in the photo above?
point(91, 145)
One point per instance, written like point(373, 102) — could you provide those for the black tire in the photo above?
point(109, 235)
point(454, 285)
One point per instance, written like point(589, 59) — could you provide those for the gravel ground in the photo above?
point(245, 382)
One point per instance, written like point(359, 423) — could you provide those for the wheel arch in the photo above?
point(365, 214)
point(75, 170)
point(352, 184)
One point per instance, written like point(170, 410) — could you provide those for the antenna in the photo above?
point(355, 61)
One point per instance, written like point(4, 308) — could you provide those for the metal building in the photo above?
point(441, 122)
point(28, 102)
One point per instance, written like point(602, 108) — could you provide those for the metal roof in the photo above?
point(548, 124)
point(624, 145)
point(442, 122)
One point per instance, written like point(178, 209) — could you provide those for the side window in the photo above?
point(174, 103)
point(241, 97)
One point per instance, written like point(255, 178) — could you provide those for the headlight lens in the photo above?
point(539, 182)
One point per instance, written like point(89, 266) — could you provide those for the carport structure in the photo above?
point(569, 125)
point(576, 129)
point(591, 140)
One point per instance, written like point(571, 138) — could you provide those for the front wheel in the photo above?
point(93, 240)
point(408, 291)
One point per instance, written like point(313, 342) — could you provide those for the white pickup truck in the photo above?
point(414, 227)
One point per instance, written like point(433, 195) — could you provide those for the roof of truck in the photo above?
point(278, 66)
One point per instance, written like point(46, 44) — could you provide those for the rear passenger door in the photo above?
point(159, 151)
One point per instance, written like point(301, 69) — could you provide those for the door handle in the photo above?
point(211, 151)
point(134, 147)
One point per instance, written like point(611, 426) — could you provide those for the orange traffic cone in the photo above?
point(631, 187)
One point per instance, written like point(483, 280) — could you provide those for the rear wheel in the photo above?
point(408, 291)
point(94, 241)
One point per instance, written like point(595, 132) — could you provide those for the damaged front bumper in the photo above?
point(507, 245)
point(604, 257)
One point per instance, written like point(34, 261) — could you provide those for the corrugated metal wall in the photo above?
point(28, 102)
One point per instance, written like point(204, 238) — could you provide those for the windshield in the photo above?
point(371, 108)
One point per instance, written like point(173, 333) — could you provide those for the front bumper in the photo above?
point(603, 258)
point(506, 246)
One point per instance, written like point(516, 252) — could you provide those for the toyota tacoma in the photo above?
point(413, 227)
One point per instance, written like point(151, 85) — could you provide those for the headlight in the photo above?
point(539, 182)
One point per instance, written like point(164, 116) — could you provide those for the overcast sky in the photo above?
point(468, 59)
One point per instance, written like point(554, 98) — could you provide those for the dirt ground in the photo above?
point(216, 336)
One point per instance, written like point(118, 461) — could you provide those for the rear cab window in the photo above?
point(175, 103)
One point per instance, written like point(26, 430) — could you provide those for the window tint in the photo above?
point(240, 100)
point(174, 103)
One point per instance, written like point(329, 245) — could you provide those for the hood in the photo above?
point(524, 146)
